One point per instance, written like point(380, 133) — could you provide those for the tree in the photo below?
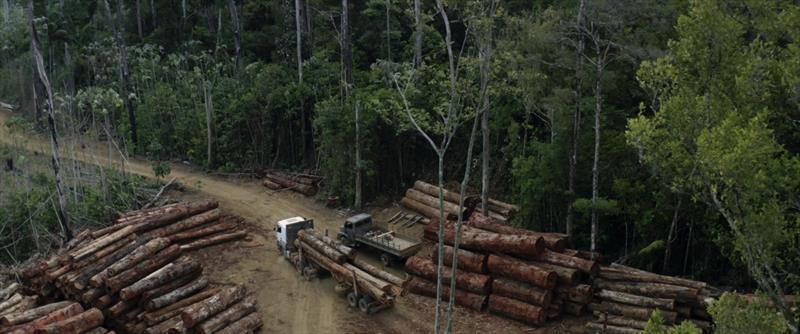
point(61, 210)
point(124, 68)
point(417, 34)
point(714, 134)
point(237, 38)
point(485, 40)
point(576, 116)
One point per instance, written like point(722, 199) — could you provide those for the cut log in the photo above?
point(616, 320)
point(171, 286)
point(515, 309)
point(349, 251)
point(105, 251)
point(521, 291)
point(13, 300)
point(296, 186)
point(496, 204)
point(468, 261)
point(566, 276)
point(201, 311)
point(476, 239)
point(631, 299)
point(183, 266)
point(177, 294)
point(635, 312)
point(82, 280)
point(171, 310)
point(213, 240)
point(521, 271)
point(9, 291)
point(69, 311)
point(433, 201)
point(581, 293)
point(596, 328)
point(587, 255)
point(185, 224)
point(425, 210)
point(472, 282)
point(200, 232)
point(573, 308)
point(162, 217)
point(622, 273)
point(466, 299)
point(120, 308)
point(657, 290)
point(144, 268)
point(341, 273)
point(382, 274)
point(227, 317)
point(32, 314)
point(75, 324)
point(246, 324)
point(271, 185)
point(138, 255)
point(166, 325)
point(385, 286)
point(555, 241)
point(100, 243)
point(587, 266)
point(450, 196)
point(25, 304)
point(322, 247)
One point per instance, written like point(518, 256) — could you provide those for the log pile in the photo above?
point(423, 197)
point(13, 299)
point(59, 317)
point(626, 298)
point(137, 275)
point(353, 275)
point(523, 275)
point(306, 184)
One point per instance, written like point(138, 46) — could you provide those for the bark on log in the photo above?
point(433, 201)
point(144, 268)
point(341, 273)
point(472, 282)
point(382, 274)
point(631, 299)
point(594, 327)
point(587, 255)
point(199, 312)
point(138, 255)
point(227, 317)
point(98, 330)
point(521, 291)
point(555, 241)
point(425, 210)
point(149, 295)
point(615, 320)
point(32, 314)
point(176, 295)
point(657, 290)
point(183, 266)
point(503, 205)
point(84, 276)
point(9, 291)
point(63, 313)
point(466, 299)
point(271, 185)
point(164, 313)
point(163, 217)
point(476, 239)
point(587, 266)
point(322, 247)
point(630, 311)
point(573, 308)
point(213, 240)
point(566, 276)
point(622, 273)
point(296, 186)
point(185, 224)
point(469, 261)
point(348, 251)
point(25, 304)
point(517, 310)
point(581, 293)
point(76, 324)
point(166, 325)
point(385, 286)
point(450, 196)
point(521, 271)
point(246, 324)
point(104, 251)
point(100, 243)
point(200, 232)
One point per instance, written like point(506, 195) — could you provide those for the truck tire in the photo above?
point(352, 299)
point(365, 303)
point(387, 259)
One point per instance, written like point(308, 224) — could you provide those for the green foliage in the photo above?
point(161, 169)
point(733, 314)
point(655, 325)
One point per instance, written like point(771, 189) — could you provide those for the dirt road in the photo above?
point(287, 303)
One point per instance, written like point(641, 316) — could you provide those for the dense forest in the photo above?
point(664, 134)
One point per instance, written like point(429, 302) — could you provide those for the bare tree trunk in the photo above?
point(51, 121)
point(671, 236)
point(209, 104)
point(139, 19)
point(6, 11)
point(598, 108)
point(576, 118)
point(183, 10)
point(237, 38)
point(299, 39)
point(388, 31)
point(153, 13)
point(347, 53)
point(357, 203)
point(124, 70)
point(417, 34)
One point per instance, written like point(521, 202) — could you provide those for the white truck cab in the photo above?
point(286, 233)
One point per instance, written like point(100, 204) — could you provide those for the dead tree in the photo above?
point(51, 122)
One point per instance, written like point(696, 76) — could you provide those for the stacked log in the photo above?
point(533, 276)
point(139, 279)
point(351, 273)
point(305, 184)
point(59, 317)
point(626, 298)
point(424, 199)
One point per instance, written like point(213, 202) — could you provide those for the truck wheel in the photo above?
point(352, 299)
point(386, 259)
point(364, 304)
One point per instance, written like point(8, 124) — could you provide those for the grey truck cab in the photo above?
point(361, 230)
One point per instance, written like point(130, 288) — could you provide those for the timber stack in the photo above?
point(58, 317)
point(626, 298)
point(423, 198)
point(354, 276)
point(304, 183)
point(139, 277)
point(520, 274)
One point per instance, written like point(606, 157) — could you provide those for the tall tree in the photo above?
point(576, 116)
point(347, 52)
point(485, 39)
point(139, 19)
point(298, 38)
point(123, 68)
point(357, 203)
point(388, 6)
point(417, 33)
point(237, 38)
point(61, 212)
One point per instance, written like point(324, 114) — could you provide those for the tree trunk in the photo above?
point(32, 314)
point(197, 313)
point(347, 53)
point(6, 11)
point(153, 14)
point(247, 324)
point(237, 38)
point(166, 312)
point(388, 6)
point(61, 210)
point(671, 236)
point(231, 315)
point(631, 299)
point(527, 313)
point(124, 69)
point(475, 283)
point(357, 204)
point(554, 241)
point(176, 295)
point(77, 324)
point(214, 240)
point(139, 271)
point(322, 247)
point(417, 34)
point(164, 275)
point(209, 104)
point(598, 108)
point(475, 239)
point(138, 255)
point(299, 38)
point(586, 266)
point(576, 118)
point(657, 290)
point(466, 299)
point(519, 270)
point(139, 19)
point(521, 291)
point(468, 261)
point(635, 312)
